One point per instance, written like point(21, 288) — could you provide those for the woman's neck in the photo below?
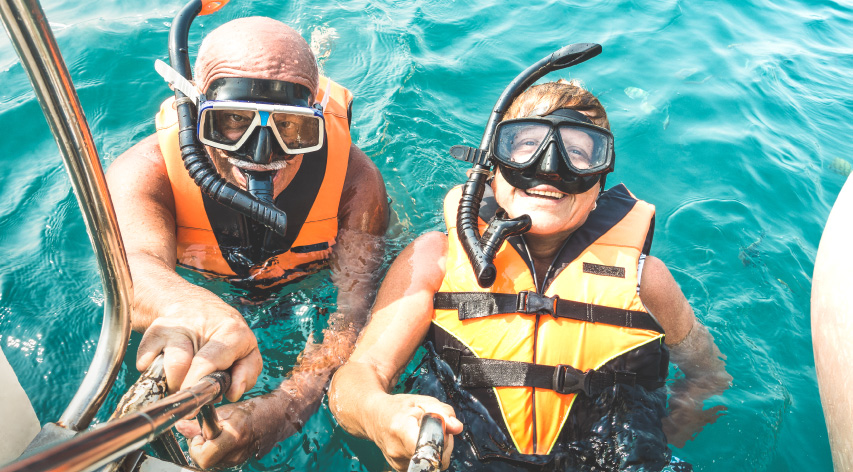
point(543, 249)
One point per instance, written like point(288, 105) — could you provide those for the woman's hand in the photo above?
point(358, 394)
point(396, 424)
point(686, 419)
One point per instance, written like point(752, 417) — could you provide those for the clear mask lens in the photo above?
point(585, 150)
point(227, 126)
point(519, 143)
point(297, 131)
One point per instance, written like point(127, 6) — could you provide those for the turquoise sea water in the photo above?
point(731, 117)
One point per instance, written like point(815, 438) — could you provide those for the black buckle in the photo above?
point(532, 302)
point(567, 379)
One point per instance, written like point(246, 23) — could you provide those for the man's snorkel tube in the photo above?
point(481, 250)
point(201, 169)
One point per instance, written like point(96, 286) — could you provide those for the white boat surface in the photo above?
point(832, 325)
point(20, 423)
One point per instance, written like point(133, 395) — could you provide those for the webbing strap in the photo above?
point(479, 304)
point(474, 372)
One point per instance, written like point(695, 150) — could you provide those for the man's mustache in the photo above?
point(246, 165)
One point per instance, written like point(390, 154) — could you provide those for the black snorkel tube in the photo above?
point(193, 153)
point(481, 250)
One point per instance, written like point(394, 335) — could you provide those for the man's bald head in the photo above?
point(257, 48)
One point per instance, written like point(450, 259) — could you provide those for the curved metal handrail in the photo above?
point(34, 42)
point(91, 449)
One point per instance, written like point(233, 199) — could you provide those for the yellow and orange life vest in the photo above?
point(526, 349)
point(220, 243)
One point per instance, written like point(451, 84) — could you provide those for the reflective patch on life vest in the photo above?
point(609, 271)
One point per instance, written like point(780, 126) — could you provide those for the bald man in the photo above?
point(270, 125)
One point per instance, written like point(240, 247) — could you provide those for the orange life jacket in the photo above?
point(527, 350)
point(221, 243)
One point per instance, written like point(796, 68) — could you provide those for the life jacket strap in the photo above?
point(479, 304)
point(475, 372)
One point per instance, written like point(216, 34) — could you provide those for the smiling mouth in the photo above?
point(545, 194)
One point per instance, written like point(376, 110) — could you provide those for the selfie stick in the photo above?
point(430, 445)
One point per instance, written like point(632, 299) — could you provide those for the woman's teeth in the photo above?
point(542, 193)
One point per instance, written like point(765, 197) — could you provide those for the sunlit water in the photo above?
point(731, 117)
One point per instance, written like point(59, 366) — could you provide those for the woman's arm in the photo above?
point(359, 396)
point(692, 348)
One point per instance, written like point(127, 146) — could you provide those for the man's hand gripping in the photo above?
point(198, 341)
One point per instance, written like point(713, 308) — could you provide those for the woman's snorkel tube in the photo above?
point(196, 160)
point(481, 250)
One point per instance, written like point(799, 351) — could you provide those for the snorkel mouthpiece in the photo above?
point(496, 233)
point(256, 205)
point(259, 184)
point(481, 251)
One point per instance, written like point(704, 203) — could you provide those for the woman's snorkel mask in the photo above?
point(564, 149)
point(253, 120)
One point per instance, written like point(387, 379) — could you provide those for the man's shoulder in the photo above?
point(362, 173)
point(363, 194)
point(139, 174)
point(144, 154)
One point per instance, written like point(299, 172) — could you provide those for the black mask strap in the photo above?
point(573, 115)
point(259, 90)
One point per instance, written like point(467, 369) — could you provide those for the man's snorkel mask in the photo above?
point(564, 150)
point(252, 120)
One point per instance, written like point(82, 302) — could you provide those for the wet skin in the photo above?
point(198, 332)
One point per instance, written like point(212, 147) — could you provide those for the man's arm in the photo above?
point(197, 332)
point(692, 348)
point(355, 262)
point(257, 424)
point(359, 252)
